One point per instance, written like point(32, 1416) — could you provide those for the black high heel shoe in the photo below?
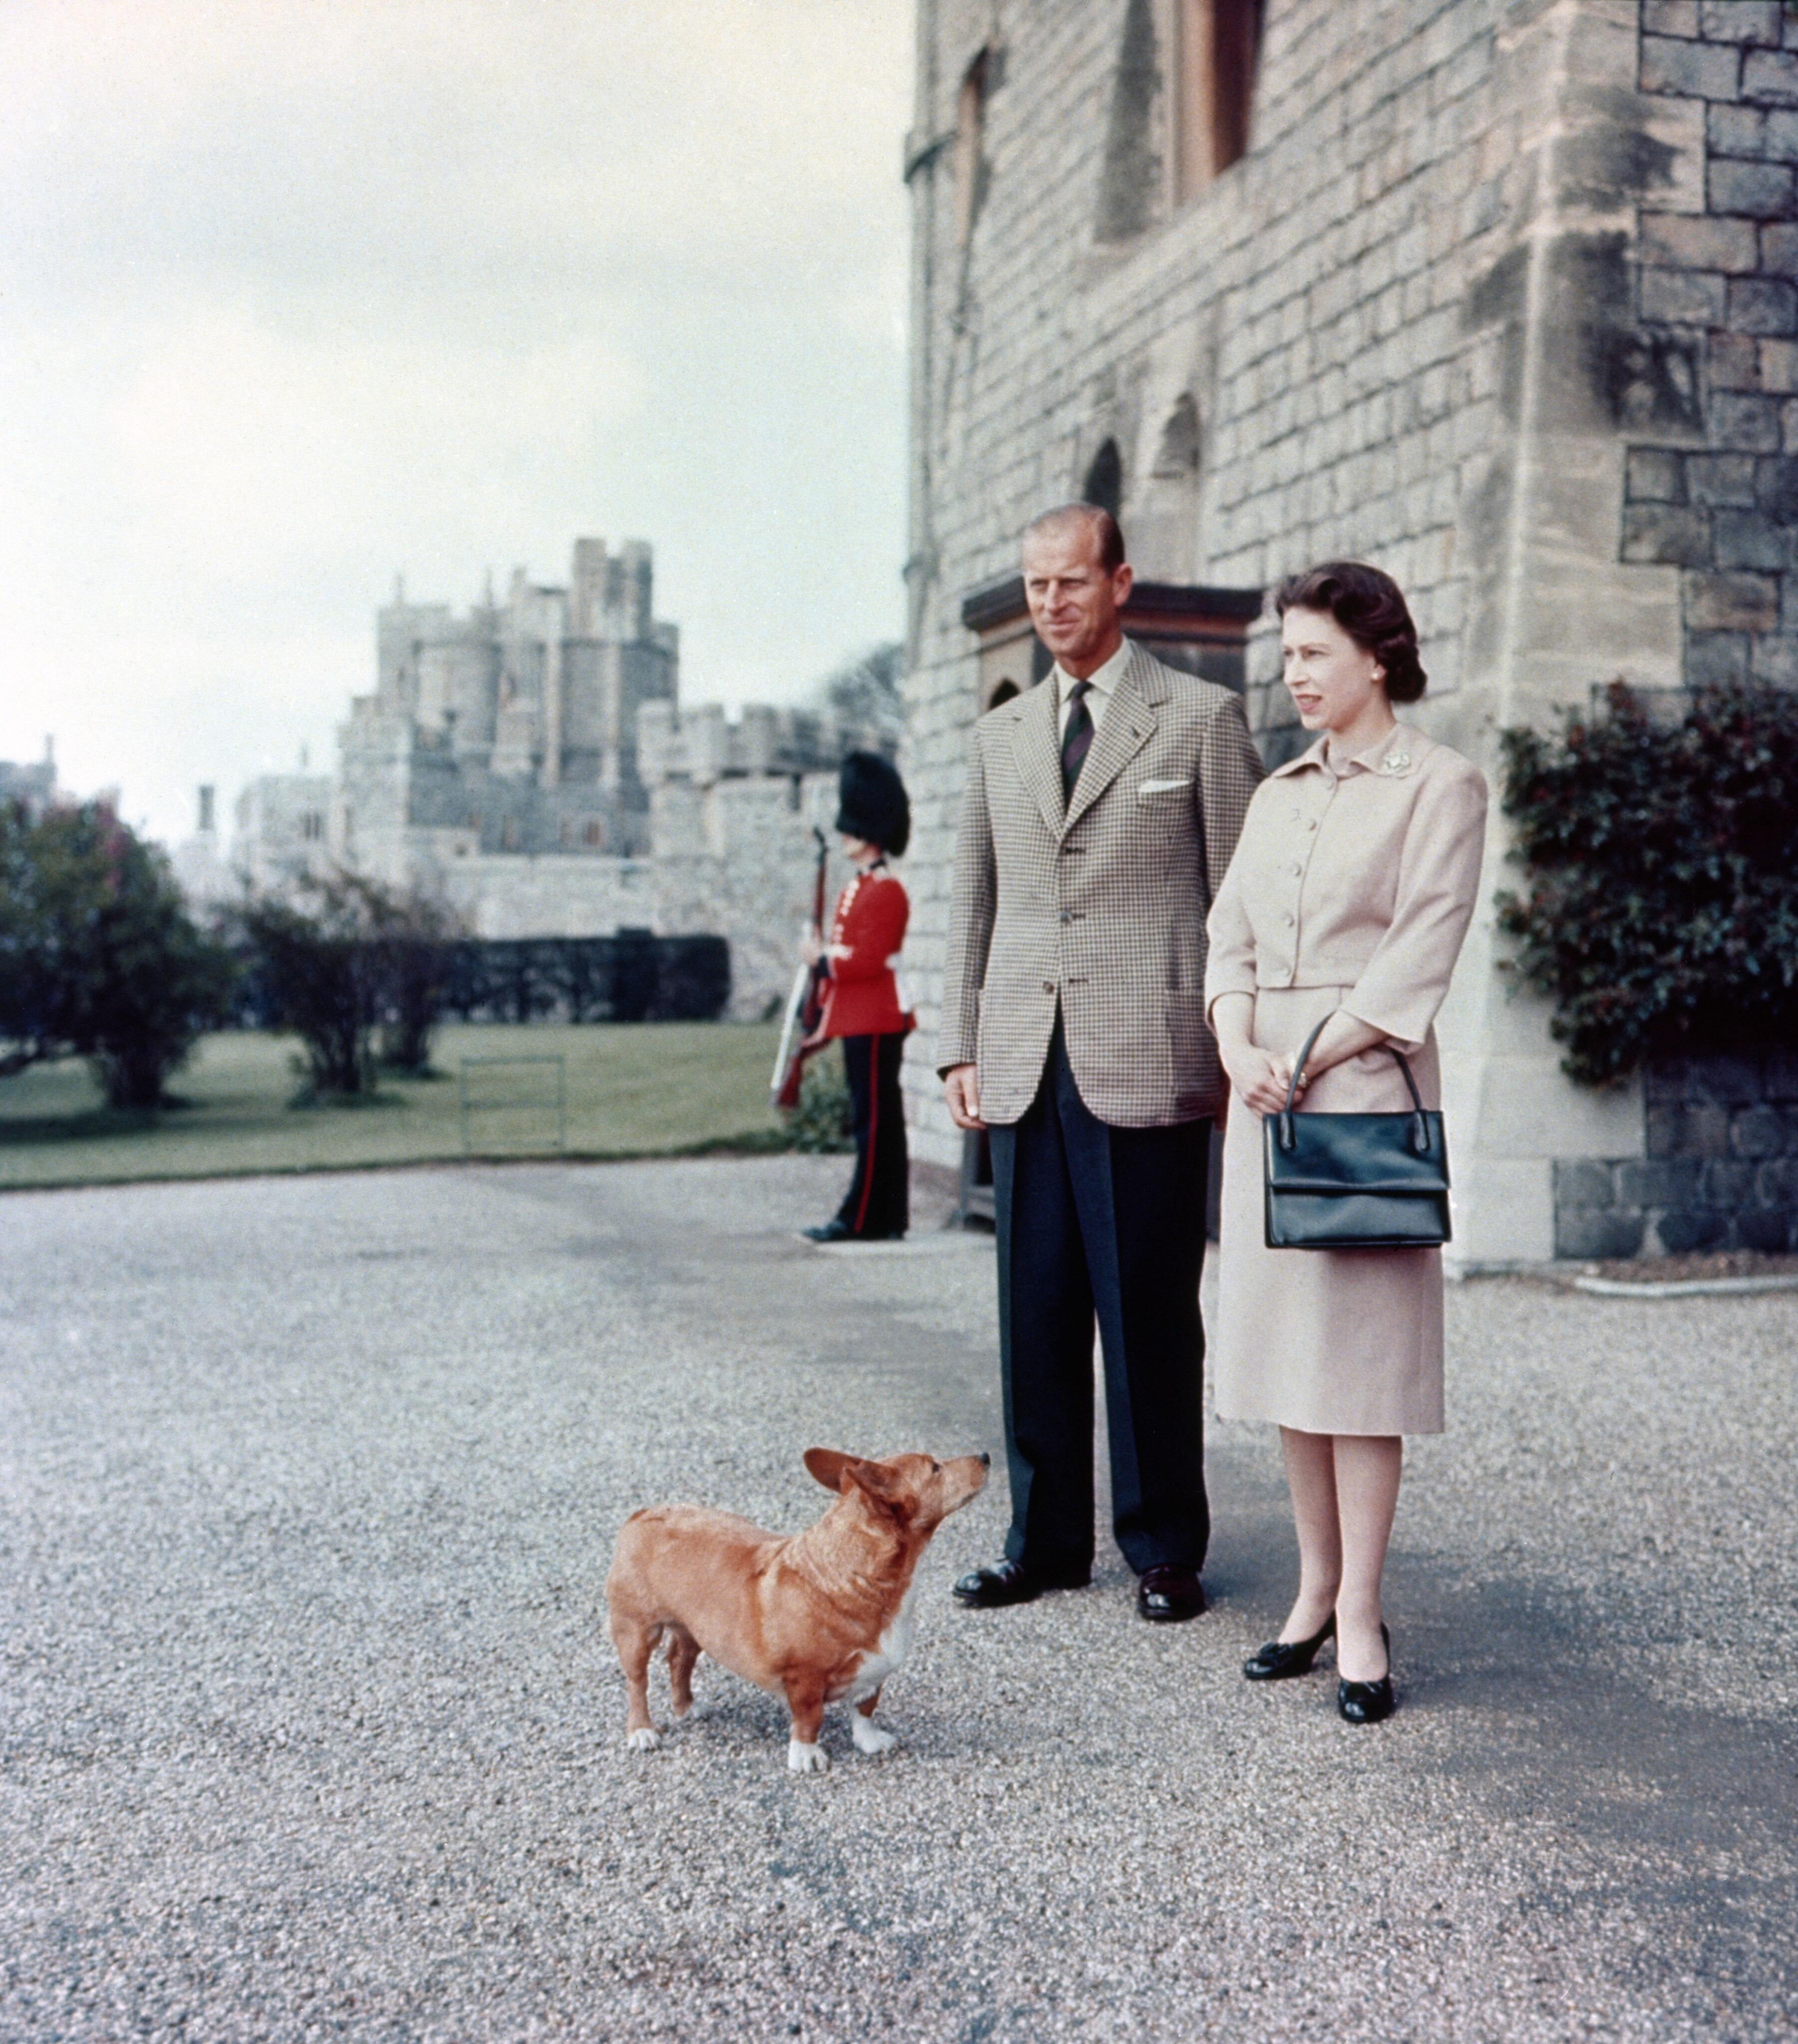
point(1367, 1702)
point(1281, 1657)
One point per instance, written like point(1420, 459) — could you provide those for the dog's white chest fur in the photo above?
point(889, 1650)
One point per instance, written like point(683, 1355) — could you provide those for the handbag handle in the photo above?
point(1289, 1135)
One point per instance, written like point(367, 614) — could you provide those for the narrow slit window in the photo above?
point(1216, 44)
point(970, 126)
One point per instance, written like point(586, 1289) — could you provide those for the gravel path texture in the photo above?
point(309, 1726)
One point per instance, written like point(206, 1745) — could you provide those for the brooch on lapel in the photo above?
point(1396, 763)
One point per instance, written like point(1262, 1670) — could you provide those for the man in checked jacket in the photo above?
point(1102, 809)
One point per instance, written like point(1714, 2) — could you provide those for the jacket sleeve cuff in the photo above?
point(1405, 1026)
point(1227, 977)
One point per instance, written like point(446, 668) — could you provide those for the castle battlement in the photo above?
point(528, 761)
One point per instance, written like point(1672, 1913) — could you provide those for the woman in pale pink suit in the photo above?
point(1349, 895)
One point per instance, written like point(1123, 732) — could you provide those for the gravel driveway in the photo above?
point(308, 1725)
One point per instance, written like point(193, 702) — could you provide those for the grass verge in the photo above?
point(645, 1089)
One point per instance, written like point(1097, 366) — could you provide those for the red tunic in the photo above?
point(863, 999)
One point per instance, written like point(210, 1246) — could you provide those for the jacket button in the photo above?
point(1067, 914)
point(1048, 986)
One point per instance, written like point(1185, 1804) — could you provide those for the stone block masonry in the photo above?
point(1501, 295)
point(1720, 1169)
point(1718, 500)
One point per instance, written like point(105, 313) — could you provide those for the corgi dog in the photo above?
point(822, 1616)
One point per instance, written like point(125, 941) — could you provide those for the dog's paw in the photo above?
point(869, 1738)
point(645, 1741)
point(804, 1759)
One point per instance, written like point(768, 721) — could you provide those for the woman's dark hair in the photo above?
point(1370, 608)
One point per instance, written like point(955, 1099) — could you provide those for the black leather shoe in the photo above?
point(1367, 1702)
point(1168, 1595)
point(1279, 1658)
point(830, 1231)
point(1009, 1582)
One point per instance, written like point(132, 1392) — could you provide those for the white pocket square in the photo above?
point(1147, 788)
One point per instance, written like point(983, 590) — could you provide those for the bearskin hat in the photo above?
point(872, 802)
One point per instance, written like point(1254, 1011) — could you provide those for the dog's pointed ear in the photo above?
point(827, 1465)
point(837, 1471)
point(882, 1484)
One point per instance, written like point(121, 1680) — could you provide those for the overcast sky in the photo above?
point(295, 294)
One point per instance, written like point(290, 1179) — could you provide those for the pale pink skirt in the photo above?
point(1329, 1341)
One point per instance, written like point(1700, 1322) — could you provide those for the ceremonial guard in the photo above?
point(862, 1007)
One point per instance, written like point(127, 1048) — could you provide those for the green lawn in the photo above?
point(632, 1089)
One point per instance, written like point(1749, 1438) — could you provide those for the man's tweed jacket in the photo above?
point(1101, 911)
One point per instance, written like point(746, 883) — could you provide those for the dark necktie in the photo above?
point(1076, 740)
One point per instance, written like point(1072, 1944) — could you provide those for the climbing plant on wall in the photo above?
point(1661, 910)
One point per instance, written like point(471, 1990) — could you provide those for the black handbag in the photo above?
point(1355, 1180)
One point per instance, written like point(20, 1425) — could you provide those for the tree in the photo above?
point(415, 938)
point(319, 977)
point(98, 955)
point(345, 960)
point(864, 693)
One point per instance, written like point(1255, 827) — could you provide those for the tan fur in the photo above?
point(814, 1618)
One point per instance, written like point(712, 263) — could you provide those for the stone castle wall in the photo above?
point(1498, 298)
point(528, 761)
point(1719, 1169)
point(1709, 401)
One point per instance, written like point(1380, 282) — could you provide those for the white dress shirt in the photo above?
point(1099, 687)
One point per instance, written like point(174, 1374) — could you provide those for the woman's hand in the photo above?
point(1259, 1077)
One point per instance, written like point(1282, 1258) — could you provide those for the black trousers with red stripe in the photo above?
point(879, 1201)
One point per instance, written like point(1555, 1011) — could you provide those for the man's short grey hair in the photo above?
point(1095, 519)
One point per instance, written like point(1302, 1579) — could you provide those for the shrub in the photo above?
point(819, 1123)
point(98, 955)
point(320, 975)
point(414, 938)
point(347, 959)
point(1662, 911)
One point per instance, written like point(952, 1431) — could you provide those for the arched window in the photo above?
point(1177, 457)
point(1215, 45)
point(1105, 480)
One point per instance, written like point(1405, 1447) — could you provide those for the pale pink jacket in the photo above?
point(1364, 878)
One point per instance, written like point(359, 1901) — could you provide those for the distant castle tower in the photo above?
point(512, 727)
point(526, 762)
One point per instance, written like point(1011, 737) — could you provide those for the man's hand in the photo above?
point(961, 1087)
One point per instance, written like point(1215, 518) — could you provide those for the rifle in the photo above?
point(805, 1006)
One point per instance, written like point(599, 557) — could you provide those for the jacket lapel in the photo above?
point(1035, 746)
point(1130, 720)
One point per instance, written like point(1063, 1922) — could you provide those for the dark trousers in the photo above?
point(878, 1200)
point(1110, 1221)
